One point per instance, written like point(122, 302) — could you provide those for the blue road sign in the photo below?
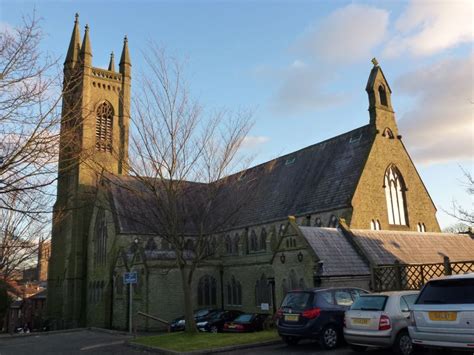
point(130, 277)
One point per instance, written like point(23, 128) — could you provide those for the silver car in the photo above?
point(380, 320)
point(443, 314)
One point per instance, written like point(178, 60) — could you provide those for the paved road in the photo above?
point(82, 342)
point(86, 342)
point(304, 347)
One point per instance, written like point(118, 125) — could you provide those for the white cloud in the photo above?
point(428, 27)
point(440, 126)
point(348, 34)
point(251, 142)
point(303, 89)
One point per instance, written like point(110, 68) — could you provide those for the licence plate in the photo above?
point(292, 317)
point(363, 321)
point(442, 316)
point(231, 326)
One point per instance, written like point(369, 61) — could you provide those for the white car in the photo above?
point(443, 314)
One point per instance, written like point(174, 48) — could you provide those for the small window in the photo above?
point(343, 298)
point(333, 222)
point(387, 133)
point(375, 225)
point(290, 161)
point(317, 222)
point(421, 227)
point(383, 96)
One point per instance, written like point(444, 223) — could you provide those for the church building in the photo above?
point(350, 198)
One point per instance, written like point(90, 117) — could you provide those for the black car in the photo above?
point(315, 314)
point(246, 322)
point(215, 322)
point(200, 315)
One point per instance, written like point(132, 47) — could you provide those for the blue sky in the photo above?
point(302, 66)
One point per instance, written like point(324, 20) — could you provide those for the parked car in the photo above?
point(216, 321)
point(315, 314)
point(200, 315)
point(380, 320)
point(247, 322)
point(443, 314)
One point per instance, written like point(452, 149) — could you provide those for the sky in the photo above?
point(302, 67)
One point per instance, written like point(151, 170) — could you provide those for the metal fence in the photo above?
point(399, 276)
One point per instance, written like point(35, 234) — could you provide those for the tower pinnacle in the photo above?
point(112, 62)
point(86, 51)
point(72, 55)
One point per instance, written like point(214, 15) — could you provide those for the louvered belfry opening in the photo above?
point(103, 128)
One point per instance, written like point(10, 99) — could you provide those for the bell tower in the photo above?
point(381, 111)
point(93, 138)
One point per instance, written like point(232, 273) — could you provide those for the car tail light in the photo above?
point(384, 322)
point(311, 313)
point(279, 313)
point(412, 319)
point(240, 327)
point(226, 326)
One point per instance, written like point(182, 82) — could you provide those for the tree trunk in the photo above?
point(188, 302)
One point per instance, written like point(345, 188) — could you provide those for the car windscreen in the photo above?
point(201, 313)
point(449, 291)
point(216, 315)
point(370, 303)
point(297, 301)
point(244, 318)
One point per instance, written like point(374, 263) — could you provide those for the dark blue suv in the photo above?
point(316, 314)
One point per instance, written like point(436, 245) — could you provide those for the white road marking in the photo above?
point(102, 345)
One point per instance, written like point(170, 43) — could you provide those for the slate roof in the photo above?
point(384, 247)
point(320, 177)
point(335, 251)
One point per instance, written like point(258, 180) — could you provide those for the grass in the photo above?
point(181, 341)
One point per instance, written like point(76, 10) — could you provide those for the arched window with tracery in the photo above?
point(234, 292)
point(395, 196)
point(103, 127)
point(207, 291)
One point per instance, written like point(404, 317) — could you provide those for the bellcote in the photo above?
point(380, 100)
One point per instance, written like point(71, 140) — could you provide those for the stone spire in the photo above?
point(125, 59)
point(86, 51)
point(112, 62)
point(72, 55)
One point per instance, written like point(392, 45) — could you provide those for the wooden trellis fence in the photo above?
point(399, 276)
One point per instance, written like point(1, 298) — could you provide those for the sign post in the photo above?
point(130, 278)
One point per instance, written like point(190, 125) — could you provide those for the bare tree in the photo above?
point(30, 97)
point(181, 158)
point(464, 215)
point(20, 233)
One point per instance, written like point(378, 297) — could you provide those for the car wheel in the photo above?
point(291, 341)
point(403, 344)
point(329, 337)
point(358, 348)
point(214, 329)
